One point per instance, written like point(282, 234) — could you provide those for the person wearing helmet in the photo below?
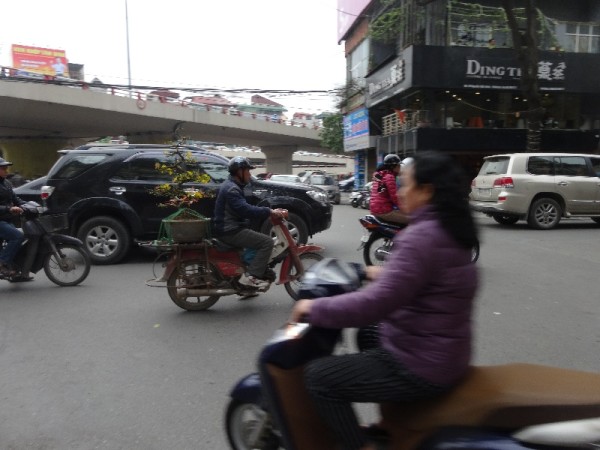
point(232, 217)
point(384, 202)
point(9, 208)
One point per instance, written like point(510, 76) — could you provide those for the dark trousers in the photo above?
point(372, 376)
point(262, 243)
point(13, 238)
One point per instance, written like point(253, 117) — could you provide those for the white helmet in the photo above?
point(407, 161)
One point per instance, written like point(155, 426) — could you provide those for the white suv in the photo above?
point(538, 187)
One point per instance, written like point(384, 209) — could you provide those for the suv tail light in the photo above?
point(46, 192)
point(504, 182)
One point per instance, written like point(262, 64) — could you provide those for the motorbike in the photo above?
point(359, 198)
point(378, 239)
point(62, 257)
point(198, 274)
point(502, 407)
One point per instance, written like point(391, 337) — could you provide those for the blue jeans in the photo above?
point(13, 238)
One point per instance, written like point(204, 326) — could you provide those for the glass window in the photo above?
point(571, 166)
point(358, 62)
point(540, 165)
point(596, 166)
point(142, 168)
point(494, 166)
point(78, 165)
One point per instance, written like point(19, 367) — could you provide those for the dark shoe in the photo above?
point(6, 271)
point(20, 279)
point(376, 434)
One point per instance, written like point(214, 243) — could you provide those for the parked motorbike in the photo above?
point(378, 239)
point(360, 198)
point(198, 274)
point(504, 407)
point(62, 257)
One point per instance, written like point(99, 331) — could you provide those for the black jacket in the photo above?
point(8, 199)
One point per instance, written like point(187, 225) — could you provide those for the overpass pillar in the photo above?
point(32, 158)
point(278, 158)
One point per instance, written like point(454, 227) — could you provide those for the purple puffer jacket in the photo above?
point(383, 192)
point(423, 300)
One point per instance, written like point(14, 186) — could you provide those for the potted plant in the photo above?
point(184, 225)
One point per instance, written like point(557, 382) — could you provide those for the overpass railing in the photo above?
point(142, 98)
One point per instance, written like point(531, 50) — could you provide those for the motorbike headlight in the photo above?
point(319, 196)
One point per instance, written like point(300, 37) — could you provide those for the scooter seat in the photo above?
point(508, 397)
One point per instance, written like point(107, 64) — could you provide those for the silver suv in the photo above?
point(538, 187)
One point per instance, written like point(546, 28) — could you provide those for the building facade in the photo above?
point(446, 77)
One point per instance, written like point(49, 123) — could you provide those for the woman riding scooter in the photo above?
point(383, 203)
point(422, 299)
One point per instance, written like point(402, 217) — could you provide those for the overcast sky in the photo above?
point(259, 44)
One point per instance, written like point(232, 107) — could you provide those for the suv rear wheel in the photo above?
point(296, 226)
point(544, 214)
point(105, 238)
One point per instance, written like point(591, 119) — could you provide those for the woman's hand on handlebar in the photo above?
point(301, 311)
point(373, 272)
point(279, 213)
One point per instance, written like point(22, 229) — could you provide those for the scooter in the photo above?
point(358, 198)
point(504, 407)
point(378, 239)
point(62, 257)
point(198, 274)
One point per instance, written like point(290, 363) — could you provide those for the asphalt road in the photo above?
point(114, 364)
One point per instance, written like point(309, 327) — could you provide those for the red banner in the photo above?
point(45, 61)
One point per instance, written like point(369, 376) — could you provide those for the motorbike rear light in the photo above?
point(504, 182)
point(46, 192)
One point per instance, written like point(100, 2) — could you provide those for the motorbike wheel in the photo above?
point(308, 260)
point(475, 252)
point(69, 268)
point(190, 273)
point(370, 250)
point(241, 422)
point(354, 203)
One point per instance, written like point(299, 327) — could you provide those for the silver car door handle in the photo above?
point(562, 183)
point(117, 190)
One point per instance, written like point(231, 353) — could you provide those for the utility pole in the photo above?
point(127, 36)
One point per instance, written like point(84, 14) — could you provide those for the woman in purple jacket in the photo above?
point(422, 299)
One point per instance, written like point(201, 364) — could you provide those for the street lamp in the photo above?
point(127, 35)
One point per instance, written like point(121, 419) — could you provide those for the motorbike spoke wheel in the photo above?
point(307, 260)
point(69, 268)
point(243, 423)
point(376, 250)
point(191, 274)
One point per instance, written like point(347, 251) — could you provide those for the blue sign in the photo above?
point(356, 130)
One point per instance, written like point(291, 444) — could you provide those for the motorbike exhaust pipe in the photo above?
point(203, 292)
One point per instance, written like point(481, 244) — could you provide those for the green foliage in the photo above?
point(389, 25)
point(332, 133)
point(182, 168)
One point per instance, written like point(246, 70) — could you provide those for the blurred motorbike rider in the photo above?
point(422, 299)
point(9, 208)
point(384, 201)
point(232, 217)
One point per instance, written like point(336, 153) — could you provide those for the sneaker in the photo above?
point(7, 271)
point(251, 281)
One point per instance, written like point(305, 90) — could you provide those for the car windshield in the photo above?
point(321, 180)
point(494, 166)
point(78, 165)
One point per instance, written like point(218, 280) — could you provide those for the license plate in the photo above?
point(485, 192)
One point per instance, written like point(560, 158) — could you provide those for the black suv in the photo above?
point(107, 193)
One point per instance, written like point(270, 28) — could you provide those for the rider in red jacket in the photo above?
point(384, 202)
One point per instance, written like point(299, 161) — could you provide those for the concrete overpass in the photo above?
point(38, 118)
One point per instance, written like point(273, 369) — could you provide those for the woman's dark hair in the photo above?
point(450, 194)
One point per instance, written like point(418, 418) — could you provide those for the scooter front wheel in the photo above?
point(249, 427)
point(69, 268)
point(190, 274)
point(307, 259)
point(376, 249)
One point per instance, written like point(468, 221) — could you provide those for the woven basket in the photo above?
point(188, 230)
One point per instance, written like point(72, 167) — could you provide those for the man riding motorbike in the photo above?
point(232, 213)
point(9, 208)
point(384, 202)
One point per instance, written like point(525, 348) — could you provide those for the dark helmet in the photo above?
point(4, 163)
point(239, 162)
point(391, 160)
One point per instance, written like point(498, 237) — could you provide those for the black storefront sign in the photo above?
point(482, 68)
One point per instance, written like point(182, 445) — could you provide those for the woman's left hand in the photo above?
point(301, 311)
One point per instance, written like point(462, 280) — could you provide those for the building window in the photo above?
point(358, 63)
point(582, 38)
